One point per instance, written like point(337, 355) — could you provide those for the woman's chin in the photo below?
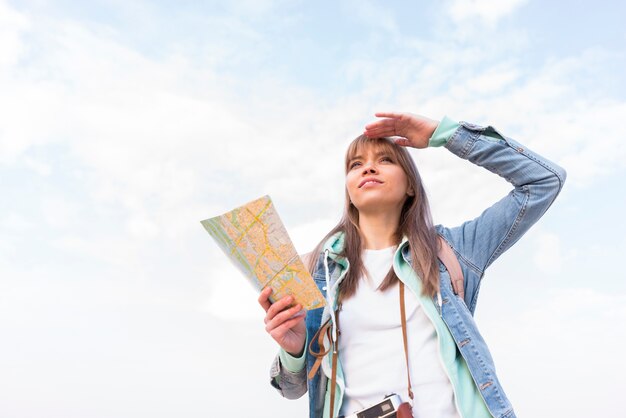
point(377, 206)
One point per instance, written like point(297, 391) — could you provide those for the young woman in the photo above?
point(437, 361)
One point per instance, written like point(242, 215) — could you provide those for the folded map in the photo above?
point(256, 241)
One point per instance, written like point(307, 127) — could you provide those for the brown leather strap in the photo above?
point(404, 338)
point(448, 258)
point(325, 329)
point(333, 378)
point(333, 383)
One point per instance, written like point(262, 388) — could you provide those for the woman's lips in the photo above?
point(369, 182)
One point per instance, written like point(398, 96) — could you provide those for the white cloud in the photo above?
point(16, 222)
point(306, 236)
point(59, 212)
point(493, 80)
point(38, 166)
point(145, 135)
point(548, 257)
point(489, 11)
point(13, 228)
point(546, 109)
point(112, 250)
point(256, 8)
point(232, 297)
point(109, 336)
point(12, 24)
point(566, 337)
point(554, 108)
point(372, 15)
point(143, 227)
point(7, 251)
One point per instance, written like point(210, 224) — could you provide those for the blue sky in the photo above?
point(124, 124)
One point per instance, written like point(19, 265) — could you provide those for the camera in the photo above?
point(387, 408)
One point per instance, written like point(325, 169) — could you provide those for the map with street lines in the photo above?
point(256, 241)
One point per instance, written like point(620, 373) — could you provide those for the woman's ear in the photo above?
point(410, 192)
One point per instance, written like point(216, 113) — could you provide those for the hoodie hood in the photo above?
point(336, 242)
point(334, 246)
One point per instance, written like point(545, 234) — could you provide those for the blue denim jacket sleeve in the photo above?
point(536, 180)
point(290, 384)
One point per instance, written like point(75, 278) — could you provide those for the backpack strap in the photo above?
point(448, 258)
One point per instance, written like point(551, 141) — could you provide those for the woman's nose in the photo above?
point(369, 169)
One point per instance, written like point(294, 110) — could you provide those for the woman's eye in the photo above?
point(354, 164)
point(386, 159)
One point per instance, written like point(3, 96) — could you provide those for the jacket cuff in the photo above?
point(444, 131)
point(461, 141)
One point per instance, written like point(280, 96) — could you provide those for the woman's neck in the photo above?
point(379, 231)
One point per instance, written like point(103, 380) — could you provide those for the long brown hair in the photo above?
point(415, 222)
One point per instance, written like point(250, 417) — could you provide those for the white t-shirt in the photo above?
point(371, 348)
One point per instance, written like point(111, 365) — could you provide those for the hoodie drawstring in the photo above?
point(330, 297)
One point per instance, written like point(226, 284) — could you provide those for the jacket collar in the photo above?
point(334, 246)
point(336, 243)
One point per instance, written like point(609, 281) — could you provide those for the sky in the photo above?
point(123, 124)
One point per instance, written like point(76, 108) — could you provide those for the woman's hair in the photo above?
point(415, 222)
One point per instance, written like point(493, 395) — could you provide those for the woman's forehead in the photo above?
point(363, 147)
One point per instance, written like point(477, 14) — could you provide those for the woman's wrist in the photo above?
point(292, 363)
point(444, 131)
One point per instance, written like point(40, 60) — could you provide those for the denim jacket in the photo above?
point(477, 243)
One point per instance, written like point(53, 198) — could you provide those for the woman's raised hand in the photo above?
point(413, 130)
point(282, 323)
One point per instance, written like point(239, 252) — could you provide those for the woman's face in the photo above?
point(375, 181)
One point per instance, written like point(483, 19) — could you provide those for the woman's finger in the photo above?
point(382, 123)
point(282, 317)
point(264, 300)
point(277, 307)
point(394, 115)
point(379, 133)
point(402, 141)
point(279, 331)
